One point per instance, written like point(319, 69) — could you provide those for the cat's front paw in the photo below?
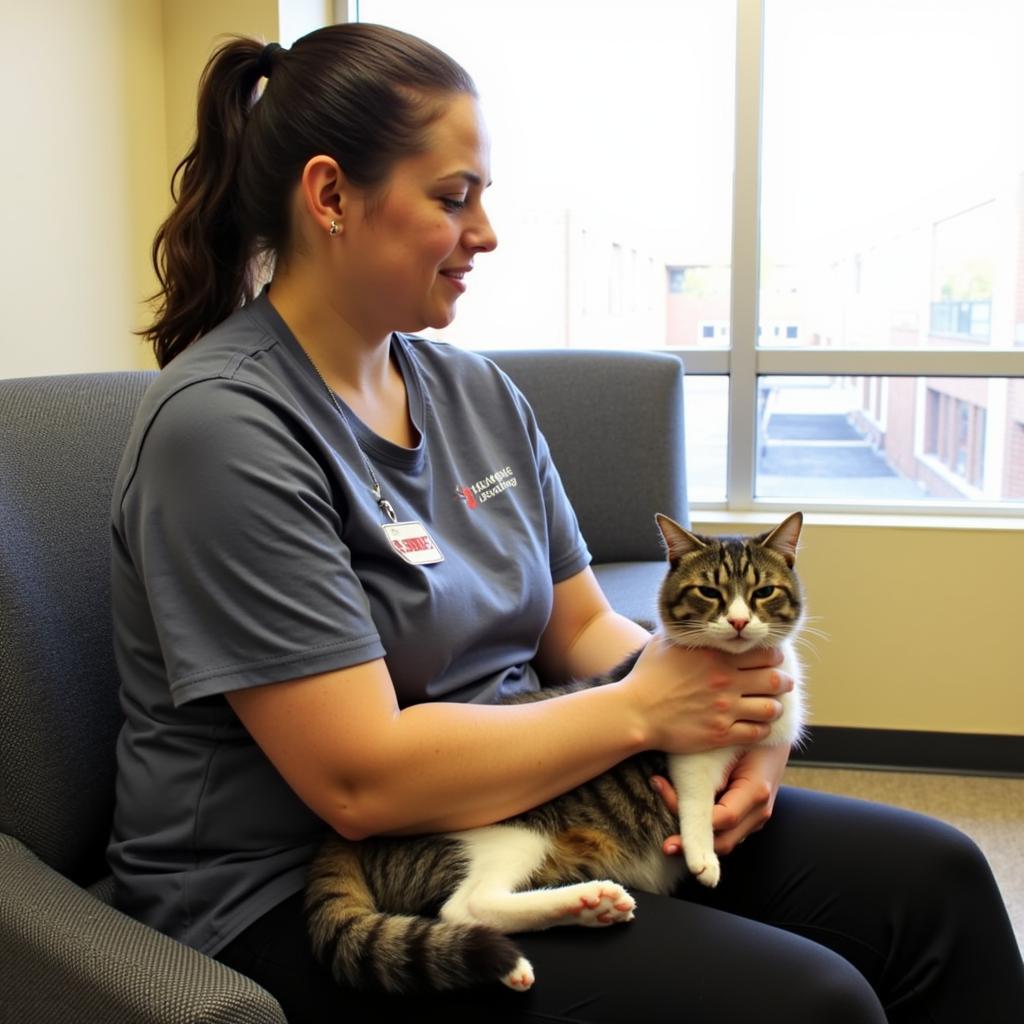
point(520, 977)
point(705, 868)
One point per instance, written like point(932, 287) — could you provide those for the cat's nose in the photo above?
point(738, 624)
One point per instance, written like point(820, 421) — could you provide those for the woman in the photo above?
point(285, 669)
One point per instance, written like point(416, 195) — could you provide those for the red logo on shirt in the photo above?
point(466, 495)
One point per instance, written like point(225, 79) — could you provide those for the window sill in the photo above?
point(724, 518)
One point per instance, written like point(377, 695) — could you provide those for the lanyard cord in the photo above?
point(385, 506)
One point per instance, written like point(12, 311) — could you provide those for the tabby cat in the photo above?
point(433, 912)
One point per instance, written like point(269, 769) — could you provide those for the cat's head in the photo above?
point(733, 593)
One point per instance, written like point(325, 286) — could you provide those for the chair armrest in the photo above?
point(65, 955)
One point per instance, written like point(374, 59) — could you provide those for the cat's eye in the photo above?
point(762, 592)
point(709, 592)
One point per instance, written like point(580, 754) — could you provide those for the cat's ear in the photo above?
point(785, 536)
point(678, 540)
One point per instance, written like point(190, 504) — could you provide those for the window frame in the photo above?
point(745, 360)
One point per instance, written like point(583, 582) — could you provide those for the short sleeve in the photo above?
point(231, 523)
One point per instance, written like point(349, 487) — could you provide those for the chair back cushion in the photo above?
point(60, 442)
point(614, 423)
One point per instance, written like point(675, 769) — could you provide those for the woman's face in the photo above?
point(411, 244)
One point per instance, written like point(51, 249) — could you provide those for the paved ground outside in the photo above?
point(809, 448)
point(823, 455)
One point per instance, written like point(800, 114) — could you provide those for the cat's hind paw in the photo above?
point(600, 904)
point(520, 978)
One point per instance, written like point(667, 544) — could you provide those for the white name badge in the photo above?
point(412, 542)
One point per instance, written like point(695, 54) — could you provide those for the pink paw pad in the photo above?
point(521, 977)
point(601, 904)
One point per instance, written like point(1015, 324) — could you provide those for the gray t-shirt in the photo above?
point(248, 549)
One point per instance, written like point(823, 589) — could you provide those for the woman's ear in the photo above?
point(324, 194)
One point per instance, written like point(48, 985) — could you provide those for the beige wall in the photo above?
point(100, 96)
point(145, 156)
point(920, 625)
point(83, 97)
point(192, 30)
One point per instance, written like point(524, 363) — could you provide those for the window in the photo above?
point(956, 436)
point(963, 267)
point(832, 239)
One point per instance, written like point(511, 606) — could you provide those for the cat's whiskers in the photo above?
point(777, 631)
point(685, 635)
point(804, 645)
point(807, 631)
point(813, 631)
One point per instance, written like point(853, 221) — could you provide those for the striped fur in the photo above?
point(432, 912)
point(402, 946)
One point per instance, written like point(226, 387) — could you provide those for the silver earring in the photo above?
point(334, 228)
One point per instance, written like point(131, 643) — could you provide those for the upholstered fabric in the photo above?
point(61, 440)
point(632, 588)
point(614, 422)
point(65, 956)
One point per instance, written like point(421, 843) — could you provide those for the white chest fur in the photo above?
point(698, 778)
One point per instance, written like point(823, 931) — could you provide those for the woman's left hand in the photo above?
point(745, 804)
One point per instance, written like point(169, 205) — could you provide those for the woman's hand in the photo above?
point(689, 700)
point(745, 805)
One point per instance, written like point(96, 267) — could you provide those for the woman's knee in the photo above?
point(956, 857)
point(795, 979)
point(838, 993)
point(949, 862)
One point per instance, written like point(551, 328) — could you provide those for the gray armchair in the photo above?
point(614, 422)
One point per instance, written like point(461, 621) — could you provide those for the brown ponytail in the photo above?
point(363, 94)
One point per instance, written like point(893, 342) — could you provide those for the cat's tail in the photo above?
point(367, 949)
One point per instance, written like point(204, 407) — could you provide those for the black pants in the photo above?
point(838, 912)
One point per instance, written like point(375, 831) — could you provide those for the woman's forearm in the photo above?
point(548, 750)
point(456, 766)
point(445, 767)
point(363, 765)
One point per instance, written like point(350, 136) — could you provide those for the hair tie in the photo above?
point(266, 59)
